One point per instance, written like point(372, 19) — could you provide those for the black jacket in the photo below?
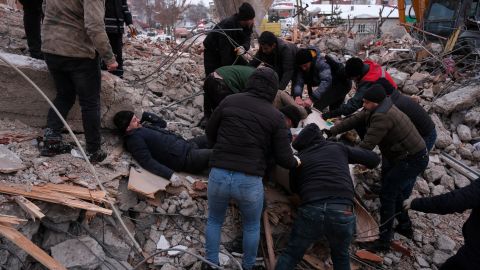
point(458, 201)
point(415, 112)
point(116, 16)
point(324, 173)
point(219, 44)
point(157, 150)
point(246, 130)
point(282, 61)
point(319, 76)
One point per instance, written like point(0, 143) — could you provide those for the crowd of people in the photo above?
point(248, 114)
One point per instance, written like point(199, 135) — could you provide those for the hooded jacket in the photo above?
point(373, 73)
point(387, 127)
point(282, 60)
point(319, 76)
point(321, 177)
point(246, 130)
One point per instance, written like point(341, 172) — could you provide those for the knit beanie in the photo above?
point(354, 67)
point(309, 135)
point(267, 38)
point(376, 93)
point(122, 120)
point(303, 56)
point(293, 113)
point(246, 12)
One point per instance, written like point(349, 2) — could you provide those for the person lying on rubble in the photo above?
point(277, 54)
point(73, 41)
point(228, 80)
point(457, 201)
point(365, 74)
point(245, 131)
point(326, 191)
point(405, 152)
point(325, 78)
point(225, 46)
point(158, 150)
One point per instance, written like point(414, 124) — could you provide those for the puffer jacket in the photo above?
point(75, 28)
point(319, 76)
point(387, 127)
point(117, 15)
point(246, 130)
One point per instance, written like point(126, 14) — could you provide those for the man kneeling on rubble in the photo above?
point(160, 151)
point(326, 190)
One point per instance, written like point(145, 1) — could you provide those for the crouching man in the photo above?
point(326, 190)
point(160, 151)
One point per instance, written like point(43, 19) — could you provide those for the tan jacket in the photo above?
point(75, 28)
point(387, 127)
point(283, 99)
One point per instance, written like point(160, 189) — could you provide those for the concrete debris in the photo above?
point(176, 252)
point(9, 161)
point(83, 253)
point(464, 132)
point(461, 99)
point(163, 243)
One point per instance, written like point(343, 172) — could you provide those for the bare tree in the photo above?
point(167, 12)
point(197, 12)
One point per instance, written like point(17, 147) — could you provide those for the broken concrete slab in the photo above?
point(146, 183)
point(461, 99)
point(19, 100)
point(9, 161)
point(443, 135)
point(83, 253)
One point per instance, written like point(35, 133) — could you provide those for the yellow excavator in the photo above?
point(455, 22)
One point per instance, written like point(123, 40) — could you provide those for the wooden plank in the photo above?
point(75, 191)
point(11, 220)
point(314, 262)
point(368, 256)
point(146, 183)
point(33, 250)
point(367, 227)
point(269, 240)
point(30, 208)
point(53, 197)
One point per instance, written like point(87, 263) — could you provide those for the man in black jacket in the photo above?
point(326, 190)
point(277, 54)
point(159, 151)
point(116, 16)
point(457, 201)
point(246, 131)
point(219, 49)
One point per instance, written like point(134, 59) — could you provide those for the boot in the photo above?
point(406, 231)
point(376, 246)
point(96, 156)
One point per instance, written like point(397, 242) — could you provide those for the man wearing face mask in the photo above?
point(224, 46)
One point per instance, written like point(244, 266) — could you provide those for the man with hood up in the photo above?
point(326, 190)
point(245, 131)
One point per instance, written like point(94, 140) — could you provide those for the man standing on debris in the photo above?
point(160, 151)
point(229, 40)
point(404, 150)
point(365, 74)
point(457, 201)
point(322, 75)
point(245, 131)
point(327, 193)
point(73, 38)
point(32, 19)
point(116, 16)
point(277, 54)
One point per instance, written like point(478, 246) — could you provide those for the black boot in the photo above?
point(406, 231)
point(376, 246)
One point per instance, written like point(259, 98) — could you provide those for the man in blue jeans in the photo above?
point(326, 190)
point(245, 131)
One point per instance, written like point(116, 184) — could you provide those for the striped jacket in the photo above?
point(116, 16)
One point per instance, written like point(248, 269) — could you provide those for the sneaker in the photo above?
point(376, 246)
point(406, 231)
point(53, 148)
point(52, 135)
point(97, 156)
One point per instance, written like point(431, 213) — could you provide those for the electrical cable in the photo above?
point(82, 151)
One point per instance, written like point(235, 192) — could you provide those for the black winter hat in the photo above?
point(293, 113)
point(308, 136)
point(246, 12)
point(267, 38)
point(122, 120)
point(303, 56)
point(354, 67)
point(376, 93)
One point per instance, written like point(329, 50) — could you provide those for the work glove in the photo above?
point(327, 115)
point(407, 204)
point(299, 162)
point(240, 50)
point(154, 119)
point(176, 180)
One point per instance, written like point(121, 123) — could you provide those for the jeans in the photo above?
point(316, 221)
point(32, 18)
point(247, 191)
point(430, 139)
point(215, 90)
point(116, 41)
point(398, 179)
point(72, 77)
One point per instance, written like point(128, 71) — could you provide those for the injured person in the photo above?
point(160, 151)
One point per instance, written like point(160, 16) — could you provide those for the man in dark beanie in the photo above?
point(158, 150)
point(404, 151)
point(326, 85)
point(326, 192)
point(365, 74)
point(292, 114)
point(219, 49)
point(277, 54)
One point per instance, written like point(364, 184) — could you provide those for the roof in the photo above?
point(355, 11)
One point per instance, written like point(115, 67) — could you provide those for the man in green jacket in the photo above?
point(404, 154)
